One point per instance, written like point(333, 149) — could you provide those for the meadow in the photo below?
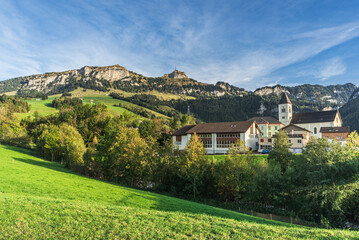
point(43, 107)
point(41, 199)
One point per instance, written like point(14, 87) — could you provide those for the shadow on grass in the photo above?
point(149, 200)
point(50, 165)
point(49, 105)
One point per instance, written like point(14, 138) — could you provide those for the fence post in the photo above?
point(271, 217)
point(252, 212)
point(291, 220)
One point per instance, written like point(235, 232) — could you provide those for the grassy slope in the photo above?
point(40, 199)
point(44, 106)
point(104, 98)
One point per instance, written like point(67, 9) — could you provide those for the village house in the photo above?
point(268, 125)
point(298, 137)
point(339, 134)
point(218, 137)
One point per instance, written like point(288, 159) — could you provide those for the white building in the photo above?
point(218, 137)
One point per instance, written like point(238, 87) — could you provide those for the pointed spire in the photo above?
point(285, 99)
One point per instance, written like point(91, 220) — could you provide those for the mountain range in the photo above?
point(209, 102)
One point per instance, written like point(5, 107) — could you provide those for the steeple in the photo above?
point(285, 99)
point(285, 109)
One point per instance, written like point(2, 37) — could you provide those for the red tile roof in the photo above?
point(221, 127)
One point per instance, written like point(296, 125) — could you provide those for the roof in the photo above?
point(221, 127)
point(284, 99)
point(261, 120)
point(183, 130)
point(313, 117)
point(295, 136)
point(335, 130)
point(296, 127)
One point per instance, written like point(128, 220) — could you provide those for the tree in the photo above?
point(194, 161)
point(235, 173)
point(281, 153)
point(352, 142)
point(73, 146)
point(124, 155)
point(146, 128)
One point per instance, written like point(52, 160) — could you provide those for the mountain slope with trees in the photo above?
point(207, 102)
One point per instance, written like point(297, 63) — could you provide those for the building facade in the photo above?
point(269, 126)
point(339, 134)
point(218, 137)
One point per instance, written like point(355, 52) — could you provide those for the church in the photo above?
point(301, 126)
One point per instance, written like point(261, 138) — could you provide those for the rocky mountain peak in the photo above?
point(176, 74)
point(278, 89)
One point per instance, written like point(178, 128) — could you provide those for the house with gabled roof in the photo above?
point(218, 137)
point(268, 125)
point(298, 137)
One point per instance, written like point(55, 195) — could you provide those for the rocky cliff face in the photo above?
point(46, 82)
point(277, 90)
point(334, 94)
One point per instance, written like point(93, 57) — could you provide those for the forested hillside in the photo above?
point(207, 102)
point(350, 114)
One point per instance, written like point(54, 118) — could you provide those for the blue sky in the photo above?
point(247, 43)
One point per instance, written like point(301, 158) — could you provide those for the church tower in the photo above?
point(285, 109)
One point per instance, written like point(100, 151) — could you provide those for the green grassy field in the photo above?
point(44, 106)
point(104, 98)
point(40, 199)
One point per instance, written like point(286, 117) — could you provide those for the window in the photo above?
point(205, 135)
point(283, 117)
point(290, 109)
point(267, 147)
point(299, 141)
point(262, 140)
point(236, 135)
point(269, 140)
point(207, 144)
point(315, 130)
point(283, 110)
point(290, 141)
point(225, 144)
point(178, 140)
point(276, 128)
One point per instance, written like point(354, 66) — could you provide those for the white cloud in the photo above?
point(251, 69)
point(330, 68)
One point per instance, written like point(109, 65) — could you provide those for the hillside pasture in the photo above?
point(41, 199)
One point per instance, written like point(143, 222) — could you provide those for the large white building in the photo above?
point(218, 137)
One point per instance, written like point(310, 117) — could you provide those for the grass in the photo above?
point(40, 199)
point(44, 106)
point(104, 98)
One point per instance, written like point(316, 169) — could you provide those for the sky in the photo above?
point(249, 44)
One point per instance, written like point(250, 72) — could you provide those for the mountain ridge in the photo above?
point(119, 77)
